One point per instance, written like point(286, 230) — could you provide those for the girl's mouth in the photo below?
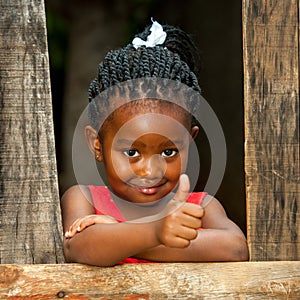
point(148, 190)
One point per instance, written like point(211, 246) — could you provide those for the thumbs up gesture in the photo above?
point(181, 221)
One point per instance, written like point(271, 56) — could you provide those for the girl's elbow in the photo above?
point(239, 251)
point(71, 254)
point(68, 252)
point(82, 256)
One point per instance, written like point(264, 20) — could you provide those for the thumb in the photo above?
point(183, 189)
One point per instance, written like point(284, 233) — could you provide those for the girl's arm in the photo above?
point(219, 240)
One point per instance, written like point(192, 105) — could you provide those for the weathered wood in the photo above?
point(263, 280)
point(30, 222)
point(271, 88)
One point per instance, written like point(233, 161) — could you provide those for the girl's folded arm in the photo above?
point(101, 244)
point(108, 244)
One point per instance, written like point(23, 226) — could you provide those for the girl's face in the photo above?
point(145, 153)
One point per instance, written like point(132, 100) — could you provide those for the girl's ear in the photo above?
point(194, 132)
point(93, 141)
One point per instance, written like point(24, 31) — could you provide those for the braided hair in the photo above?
point(176, 59)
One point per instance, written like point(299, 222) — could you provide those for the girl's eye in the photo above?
point(169, 153)
point(131, 153)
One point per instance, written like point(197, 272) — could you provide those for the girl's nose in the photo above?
point(152, 167)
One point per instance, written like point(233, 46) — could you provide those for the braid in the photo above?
point(126, 67)
point(112, 67)
point(168, 60)
point(145, 69)
point(104, 77)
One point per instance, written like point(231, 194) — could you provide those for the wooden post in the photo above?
point(30, 221)
point(271, 70)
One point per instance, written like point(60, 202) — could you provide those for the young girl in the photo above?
point(146, 213)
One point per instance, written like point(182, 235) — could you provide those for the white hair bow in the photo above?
point(157, 37)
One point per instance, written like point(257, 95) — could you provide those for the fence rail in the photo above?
point(251, 280)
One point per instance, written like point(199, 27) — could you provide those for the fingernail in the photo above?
point(184, 182)
point(184, 178)
point(78, 228)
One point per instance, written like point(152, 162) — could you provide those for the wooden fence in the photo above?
point(30, 223)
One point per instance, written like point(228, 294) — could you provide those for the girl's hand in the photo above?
point(182, 219)
point(86, 221)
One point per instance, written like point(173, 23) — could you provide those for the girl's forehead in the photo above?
point(146, 106)
point(150, 124)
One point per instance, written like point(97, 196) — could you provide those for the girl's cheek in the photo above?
point(122, 167)
point(174, 170)
point(183, 160)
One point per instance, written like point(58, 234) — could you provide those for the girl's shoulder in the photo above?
point(76, 203)
point(76, 192)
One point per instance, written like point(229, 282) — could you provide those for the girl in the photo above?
point(143, 144)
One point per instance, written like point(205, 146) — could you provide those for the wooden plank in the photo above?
point(30, 222)
point(263, 280)
point(271, 90)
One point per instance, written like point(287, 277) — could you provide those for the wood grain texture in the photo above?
point(30, 221)
point(263, 280)
point(271, 90)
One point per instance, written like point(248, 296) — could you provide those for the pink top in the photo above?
point(104, 205)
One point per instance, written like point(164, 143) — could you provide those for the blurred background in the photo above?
point(79, 35)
